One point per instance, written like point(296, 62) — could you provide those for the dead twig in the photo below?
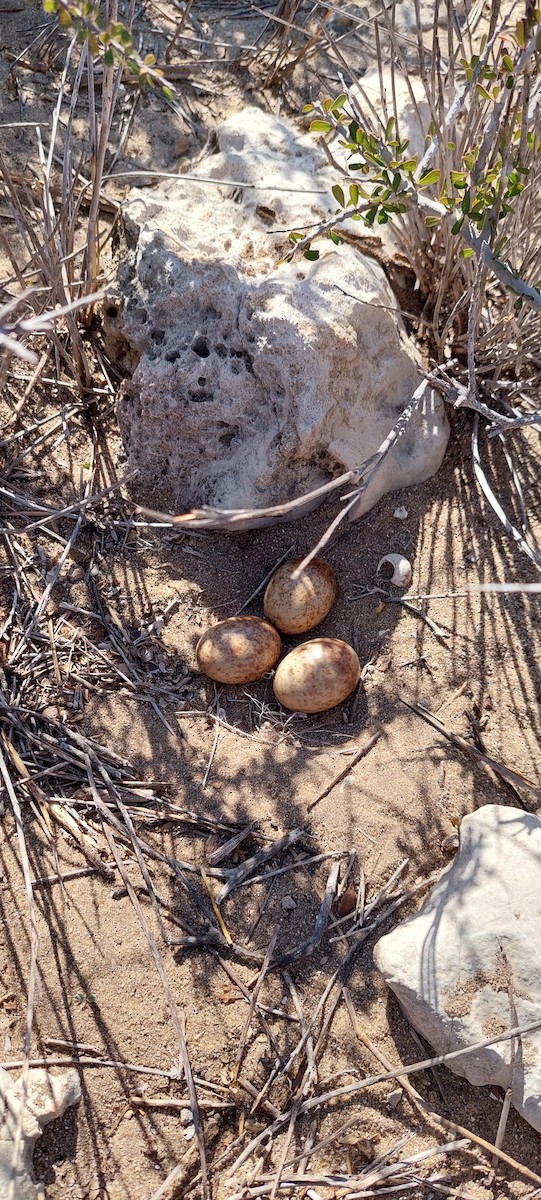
point(174, 1185)
point(518, 781)
point(361, 753)
point(309, 947)
point(253, 1001)
point(265, 581)
point(238, 874)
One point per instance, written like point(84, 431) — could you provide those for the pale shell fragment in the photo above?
point(402, 570)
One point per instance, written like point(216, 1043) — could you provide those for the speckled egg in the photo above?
point(296, 605)
point(238, 650)
point(317, 675)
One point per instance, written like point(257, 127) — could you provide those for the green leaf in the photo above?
point(49, 6)
point(428, 178)
point(430, 221)
point(521, 33)
point(374, 157)
point(466, 203)
point(338, 194)
point(483, 91)
point(390, 128)
point(467, 252)
point(339, 102)
point(459, 179)
point(109, 58)
point(457, 225)
point(335, 237)
point(508, 62)
point(311, 255)
point(409, 165)
point(320, 127)
point(354, 193)
point(308, 108)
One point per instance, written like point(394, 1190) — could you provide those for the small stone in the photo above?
point(401, 513)
point(189, 1132)
point(180, 146)
point(394, 1098)
point(288, 903)
point(186, 1116)
point(347, 902)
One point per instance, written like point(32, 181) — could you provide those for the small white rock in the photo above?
point(186, 1116)
point(288, 903)
point(401, 513)
point(189, 1133)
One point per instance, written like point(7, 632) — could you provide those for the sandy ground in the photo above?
point(480, 673)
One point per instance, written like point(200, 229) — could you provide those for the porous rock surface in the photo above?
point(47, 1097)
point(474, 950)
point(252, 382)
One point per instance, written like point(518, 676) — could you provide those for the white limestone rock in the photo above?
point(48, 1096)
point(251, 382)
point(477, 938)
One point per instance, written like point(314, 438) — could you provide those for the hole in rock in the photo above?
point(111, 311)
point(172, 356)
point(201, 347)
point(201, 381)
point(227, 437)
point(200, 396)
point(158, 335)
